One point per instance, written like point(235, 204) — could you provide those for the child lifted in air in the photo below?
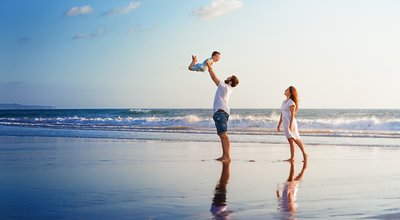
point(202, 67)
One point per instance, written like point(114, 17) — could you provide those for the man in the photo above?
point(222, 110)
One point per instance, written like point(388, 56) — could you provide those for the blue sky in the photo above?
point(134, 54)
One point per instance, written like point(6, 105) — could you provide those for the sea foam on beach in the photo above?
point(344, 127)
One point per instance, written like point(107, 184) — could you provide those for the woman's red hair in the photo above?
point(294, 96)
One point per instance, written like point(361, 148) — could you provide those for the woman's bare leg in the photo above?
point(291, 143)
point(301, 146)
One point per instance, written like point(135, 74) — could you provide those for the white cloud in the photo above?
point(134, 29)
point(217, 8)
point(138, 28)
point(123, 10)
point(75, 11)
point(98, 32)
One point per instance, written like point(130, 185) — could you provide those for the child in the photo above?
point(202, 67)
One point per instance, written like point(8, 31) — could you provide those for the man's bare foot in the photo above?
point(224, 159)
point(194, 58)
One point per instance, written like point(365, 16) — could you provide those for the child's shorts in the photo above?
point(199, 67)
point(221, 120)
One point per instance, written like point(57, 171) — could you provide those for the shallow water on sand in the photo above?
point(72, 178)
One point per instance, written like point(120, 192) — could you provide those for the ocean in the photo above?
point(380, 128)
point(159, 164)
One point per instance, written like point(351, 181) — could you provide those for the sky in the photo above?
point(135, 54)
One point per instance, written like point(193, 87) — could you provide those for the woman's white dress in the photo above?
point(285, 110)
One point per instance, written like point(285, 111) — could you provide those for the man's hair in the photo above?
point(234, 80)
point(215, 53)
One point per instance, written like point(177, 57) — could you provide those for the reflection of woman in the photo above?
point(219, 207)
point(288, 197)
point(288, 110)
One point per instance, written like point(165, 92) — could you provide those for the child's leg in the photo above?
point(194, 60)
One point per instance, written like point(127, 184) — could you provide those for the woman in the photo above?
point(288, 110)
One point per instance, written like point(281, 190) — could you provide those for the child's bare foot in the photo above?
point(194, 60)
point(224, 159)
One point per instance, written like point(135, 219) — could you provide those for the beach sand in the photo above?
point(72, 178)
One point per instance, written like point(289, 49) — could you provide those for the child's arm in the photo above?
point(213, 75)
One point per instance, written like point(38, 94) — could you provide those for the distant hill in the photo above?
point(19, 106)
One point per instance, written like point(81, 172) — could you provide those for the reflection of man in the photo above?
point(219, 207)
point(289, 190)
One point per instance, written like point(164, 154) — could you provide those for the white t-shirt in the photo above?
point(221, 98)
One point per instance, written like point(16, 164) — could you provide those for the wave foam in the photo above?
point(315, 122)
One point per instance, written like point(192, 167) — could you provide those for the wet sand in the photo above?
point(72, 178)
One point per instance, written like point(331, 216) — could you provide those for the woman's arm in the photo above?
point(292, 113)
point(279, 124)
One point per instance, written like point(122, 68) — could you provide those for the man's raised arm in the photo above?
point(213, 75)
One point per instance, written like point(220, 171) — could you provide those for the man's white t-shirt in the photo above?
point(221, 98)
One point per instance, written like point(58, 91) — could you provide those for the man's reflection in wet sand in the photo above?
point(219, 206)
point(287, 200)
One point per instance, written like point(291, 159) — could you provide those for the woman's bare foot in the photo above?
point(305, 157)
point(224, 159)
point(289, 160)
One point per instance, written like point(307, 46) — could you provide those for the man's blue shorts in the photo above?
point(221, 120)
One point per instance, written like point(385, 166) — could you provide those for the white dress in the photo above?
point(285, 110)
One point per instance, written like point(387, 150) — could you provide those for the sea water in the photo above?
point(78, 178)
point(359, 127)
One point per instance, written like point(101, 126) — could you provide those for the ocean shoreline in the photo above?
point(210, 136)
